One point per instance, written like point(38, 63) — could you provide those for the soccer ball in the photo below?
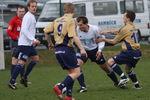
point(64, 89)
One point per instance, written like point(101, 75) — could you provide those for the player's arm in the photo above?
point(71, 27)
point(100, 44)
point(10, 29)
point(116, 40)
point(110, 32)
point(78, 43)
point(47, 30)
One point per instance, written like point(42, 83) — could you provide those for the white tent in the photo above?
point(2, 64)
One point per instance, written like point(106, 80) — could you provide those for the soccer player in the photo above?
point(88, 34)
point(13, 31)
point(131, 53)
point(64, 35)
point(26, 45)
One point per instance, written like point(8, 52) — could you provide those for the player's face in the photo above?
point(82, 27)
point(20, 12)
point(33, 7)
point(125, 18)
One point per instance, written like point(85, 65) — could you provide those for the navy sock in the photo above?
point(16, 71)
point(133, 77)
point(113, 77)
point(22, 72)
point(12, 69)
point(118, 70)
point(29, 68)
point(69, 89)
point(81, 80)
point(67, 82)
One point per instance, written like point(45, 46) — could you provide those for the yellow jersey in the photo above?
point(127, 35)
point(63, 29)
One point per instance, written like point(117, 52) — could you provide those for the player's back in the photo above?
point(64, 28)
point(130, 39)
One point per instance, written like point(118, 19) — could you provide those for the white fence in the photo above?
point(2, 64)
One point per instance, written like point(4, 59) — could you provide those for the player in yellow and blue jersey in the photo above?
point(131, 53)
point(64, 35)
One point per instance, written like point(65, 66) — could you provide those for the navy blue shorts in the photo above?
point(14, 49)
point(92, 56)
point(15, 52)
point(66, 57)
point(25, 52)
point(128, 57)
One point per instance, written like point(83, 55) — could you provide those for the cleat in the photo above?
point(58, 92)
point(123, 81)
point(24, 82)
point(12, 86)
point(21, 81)
point(63, 90)
point(82, 89)
point(68, 98)
point(137, 88)
point(123, 87)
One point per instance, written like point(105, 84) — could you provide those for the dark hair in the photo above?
point(83, 19)
point(20, 6)
point(31, 1)
point(131, 15)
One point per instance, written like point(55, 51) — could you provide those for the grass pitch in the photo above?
point(48, 72)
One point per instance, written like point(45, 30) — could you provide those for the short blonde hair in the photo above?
point(69, 8)
point(31, 1)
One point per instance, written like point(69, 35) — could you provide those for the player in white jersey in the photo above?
point(26, 45)
point(88, 34)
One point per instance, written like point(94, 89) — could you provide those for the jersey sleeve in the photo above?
point(25, 28)
point(10, 28)
point(120, 35)
point(49, 28)
point(71, 28)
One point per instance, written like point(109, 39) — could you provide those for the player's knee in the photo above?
point(128, 69)
point(14, 61)
point(80, 62)
point(36, 59)
point(111, 61)
point(21, 62)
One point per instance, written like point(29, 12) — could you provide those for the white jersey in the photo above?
point(27, 33)
point(88, 38)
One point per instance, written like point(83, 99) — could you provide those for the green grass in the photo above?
point(47, 73)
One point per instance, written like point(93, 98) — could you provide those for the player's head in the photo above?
point(69, 8)
point(32, 6)
point(82, 22)
point(20, 11)
point(129, 16)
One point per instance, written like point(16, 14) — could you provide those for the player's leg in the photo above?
point(80, 79)
point(15, 73)
point(132, 76)
point(68, 61)
point(31, 65)
point(116, 68)
point(110, 73)
point(15, 60)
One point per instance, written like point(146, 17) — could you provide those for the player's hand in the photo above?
point(83, 52)
point(104, 32)
point(98, 40)
point(50, 46)
point(35, 43)
point(98, 55)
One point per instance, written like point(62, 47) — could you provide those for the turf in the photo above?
point(48, 72)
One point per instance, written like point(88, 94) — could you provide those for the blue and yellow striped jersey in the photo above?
point(63, 29)
point(127, 35)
